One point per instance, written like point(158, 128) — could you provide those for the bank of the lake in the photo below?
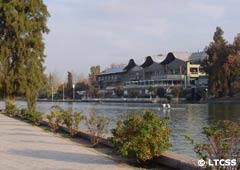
point(185, 119)
point(225, 100)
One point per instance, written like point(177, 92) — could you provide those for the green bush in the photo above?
point(96, 126)
point(33, 116)
point(176, 91)
point(36, 117)
point(142, 136)
point(72, 121)
point(119, 91)
point(152, 91)
point(54, 120)
point(59, 116)
point(10, 108)
point(223, 142)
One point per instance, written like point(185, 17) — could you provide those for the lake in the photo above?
point(185, 119)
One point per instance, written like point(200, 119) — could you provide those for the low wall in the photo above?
point(168, 158)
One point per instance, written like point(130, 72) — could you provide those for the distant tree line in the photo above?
point(56, 89)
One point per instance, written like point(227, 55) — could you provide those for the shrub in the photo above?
point(141, 136)
point(72, 121)
point(96, 126)
point(54, 120)
point(176, 91)
point(223, 142)
point(10, 108)
point(152, 91)
point(132, 93)
point(33, 116)
point(59, 116)
point(119, 91)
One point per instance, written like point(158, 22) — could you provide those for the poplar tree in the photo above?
point(218, 50)
point(22, 25)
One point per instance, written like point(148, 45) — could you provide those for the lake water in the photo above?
point(185, 119)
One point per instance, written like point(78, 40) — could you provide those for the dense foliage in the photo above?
point(22, 26)
point(94, 70)
point(119, 91)
point(223, 64)
point(12, 110)
point(152, 91)
point(176, 91)
point(141, 136)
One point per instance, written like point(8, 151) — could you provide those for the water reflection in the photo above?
point(224, 112)
point(185, 119)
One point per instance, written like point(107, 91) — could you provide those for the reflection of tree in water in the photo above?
point(223, 112)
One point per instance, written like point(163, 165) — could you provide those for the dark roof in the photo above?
point(130, 65)
point(148, 62)
point(112, 71)
point(184, 56)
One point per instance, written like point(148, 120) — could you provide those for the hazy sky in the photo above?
point(101, 32)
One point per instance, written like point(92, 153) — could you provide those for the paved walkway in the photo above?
point(25, 147)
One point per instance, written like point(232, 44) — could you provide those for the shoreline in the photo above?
point(120, 100)
point(227, 100)
point(234, 100)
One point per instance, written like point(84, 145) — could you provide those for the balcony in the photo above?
point(168, 77)
point(154, 83)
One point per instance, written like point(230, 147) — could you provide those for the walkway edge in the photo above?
point(168, 158)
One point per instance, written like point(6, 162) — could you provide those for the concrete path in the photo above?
point(25, 147)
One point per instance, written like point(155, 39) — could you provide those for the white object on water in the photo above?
point(166, 106)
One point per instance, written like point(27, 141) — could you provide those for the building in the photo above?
point(181, 69)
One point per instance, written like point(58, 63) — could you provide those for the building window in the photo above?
point(194, 70)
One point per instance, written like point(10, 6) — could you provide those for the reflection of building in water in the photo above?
point(181, 69)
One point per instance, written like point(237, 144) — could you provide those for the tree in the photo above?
point(152, 91)
point(54, 82)
point(82, 86)
point(232, 65)
point(69, 84)
point(94, 70)
point(176, 91)
point(22, 26)
point(69, 80)
point(119, 91)
point(218, 50)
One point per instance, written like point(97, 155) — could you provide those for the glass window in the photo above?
point(194, 70)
